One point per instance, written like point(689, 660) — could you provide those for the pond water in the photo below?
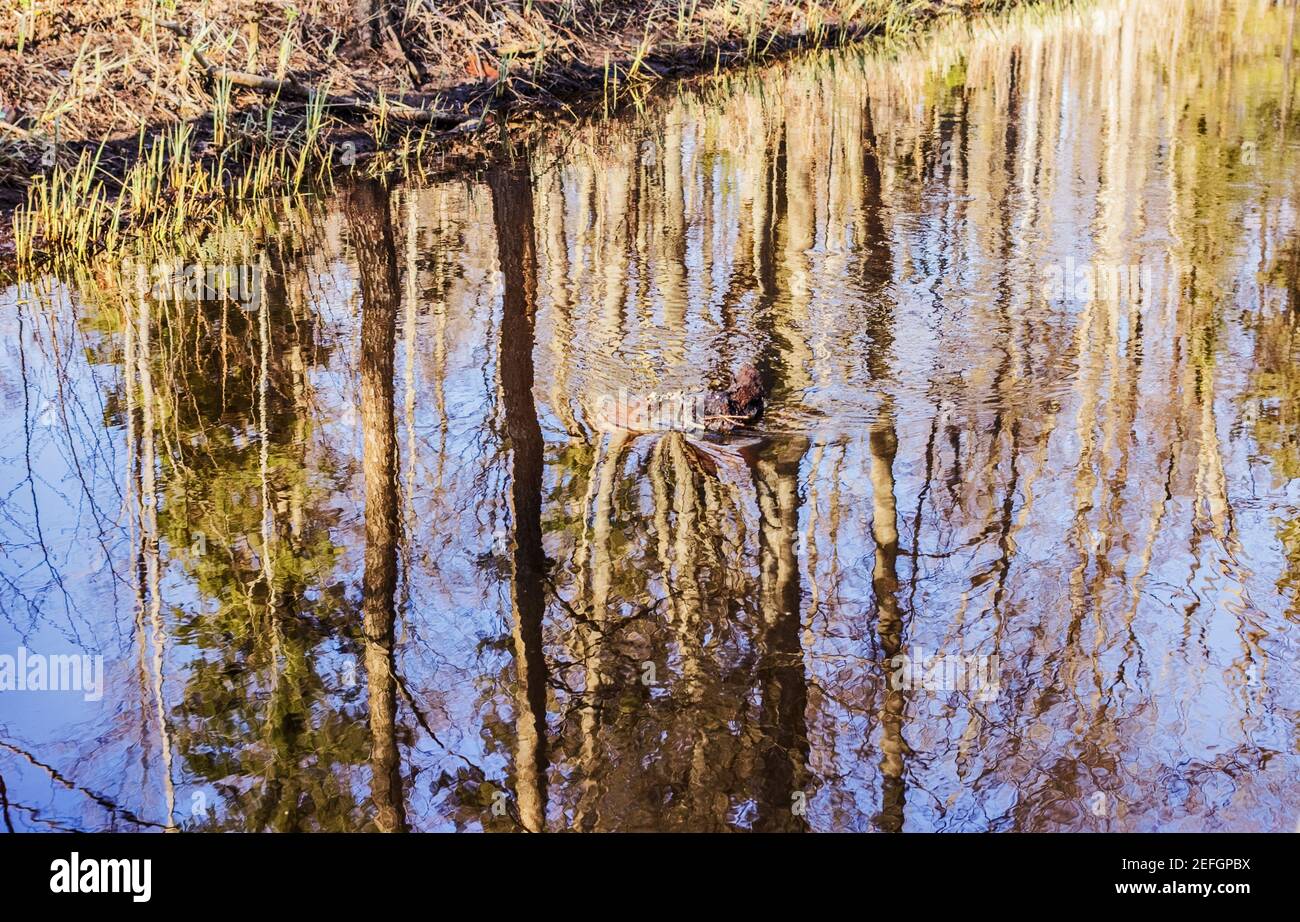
point(1015, 544)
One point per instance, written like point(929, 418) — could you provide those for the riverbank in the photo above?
point(115, 115)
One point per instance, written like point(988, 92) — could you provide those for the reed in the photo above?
point(253, 94)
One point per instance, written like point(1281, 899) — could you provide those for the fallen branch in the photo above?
point(15, 130)
point(292, 88)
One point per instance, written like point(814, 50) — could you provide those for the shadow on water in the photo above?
point(1013, 546)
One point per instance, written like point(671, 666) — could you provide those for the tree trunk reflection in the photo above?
point(370, 220)
point(512, 208)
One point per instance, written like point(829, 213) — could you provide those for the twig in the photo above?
point(291, 87)
point(9, 126)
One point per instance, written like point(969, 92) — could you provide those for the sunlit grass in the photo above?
point(174, 183)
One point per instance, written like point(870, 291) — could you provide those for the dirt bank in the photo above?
point(88, 91)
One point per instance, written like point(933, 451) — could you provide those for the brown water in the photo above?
point(355, 555)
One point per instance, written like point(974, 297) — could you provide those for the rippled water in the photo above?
point(357, 554)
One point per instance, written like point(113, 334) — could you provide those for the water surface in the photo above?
point(356, 555)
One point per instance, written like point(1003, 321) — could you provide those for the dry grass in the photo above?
point(134, 112)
